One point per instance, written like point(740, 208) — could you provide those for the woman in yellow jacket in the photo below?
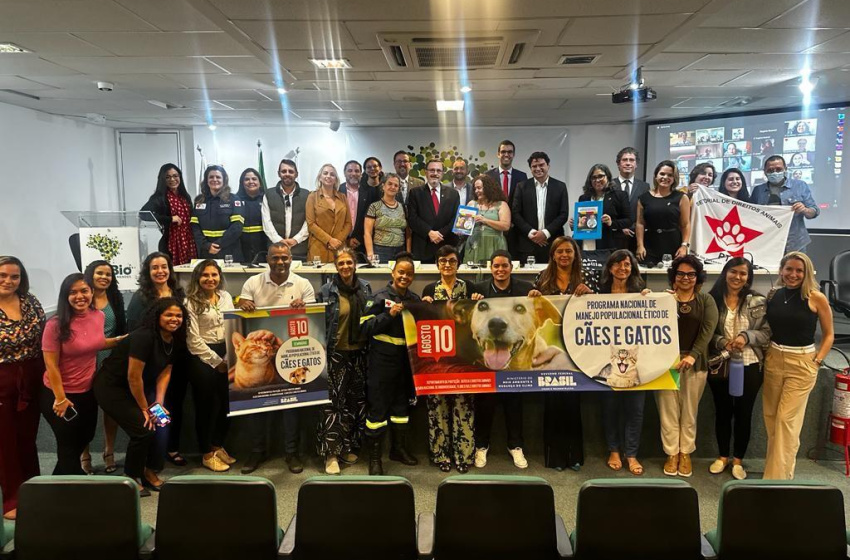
point(328, 218)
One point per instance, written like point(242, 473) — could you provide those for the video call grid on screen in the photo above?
point(812, 143)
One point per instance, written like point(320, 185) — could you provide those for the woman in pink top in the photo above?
point(71, 341)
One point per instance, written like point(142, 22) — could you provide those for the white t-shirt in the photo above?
point(262, 290)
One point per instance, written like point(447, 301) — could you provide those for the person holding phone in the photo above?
point(132, 382)
point(72, 338)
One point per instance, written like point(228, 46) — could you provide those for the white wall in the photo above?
point(49, 164)
point(572, 149)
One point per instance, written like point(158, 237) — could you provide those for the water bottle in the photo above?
point(736, 375)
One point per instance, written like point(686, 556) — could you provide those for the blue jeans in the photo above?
point(387, 254)
point(630, 403)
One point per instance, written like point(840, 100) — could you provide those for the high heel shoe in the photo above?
point(85, 463)
point(109, 461)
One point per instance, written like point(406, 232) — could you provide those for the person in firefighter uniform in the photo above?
point(217, 218)
point(388, 375)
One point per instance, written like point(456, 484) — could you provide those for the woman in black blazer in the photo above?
point(616, 214)
point(171, 205)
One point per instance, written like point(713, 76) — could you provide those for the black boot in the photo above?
point(375, 465)
point(398, 446)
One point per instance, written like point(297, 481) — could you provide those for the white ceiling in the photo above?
point(218, 59)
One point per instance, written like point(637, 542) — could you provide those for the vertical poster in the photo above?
point(119, 246)
point(588, 220)
point(277, 358)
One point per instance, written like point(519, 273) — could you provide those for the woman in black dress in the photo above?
point(133, 378)
point(663, 217)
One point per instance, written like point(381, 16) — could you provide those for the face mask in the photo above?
point(775, 178)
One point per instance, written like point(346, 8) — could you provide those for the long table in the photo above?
point(656, 278)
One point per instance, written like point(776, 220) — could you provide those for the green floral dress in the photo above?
point(485, 240)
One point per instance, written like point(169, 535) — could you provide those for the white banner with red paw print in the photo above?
point(722, 224)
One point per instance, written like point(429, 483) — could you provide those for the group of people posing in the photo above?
point(379, 214)
point(93, 353)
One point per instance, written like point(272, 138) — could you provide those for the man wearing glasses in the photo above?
point(508, 178)
point(402, 164)
point(284, 211)
point(431, 212)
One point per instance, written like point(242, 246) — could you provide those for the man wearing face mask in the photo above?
point(780, 190)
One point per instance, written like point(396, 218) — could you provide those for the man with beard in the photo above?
point(359, 198)
point(402, 164)
point(284, 211)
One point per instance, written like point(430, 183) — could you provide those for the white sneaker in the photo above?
point(718, 466)
point(481, 457)
point(519, 458)
point(331, 465)
point(738, 472)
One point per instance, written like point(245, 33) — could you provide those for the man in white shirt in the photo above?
point(275, 288)
point(627, 160)
point(540, 210)
point(402, 164)
point(459, 182)
point(284, 211)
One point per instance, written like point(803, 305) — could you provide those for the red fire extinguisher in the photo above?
point(839, 418)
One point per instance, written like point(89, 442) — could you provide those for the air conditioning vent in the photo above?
point(439, 51)
point(574, 59)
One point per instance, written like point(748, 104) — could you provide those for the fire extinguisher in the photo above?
point(839, 418)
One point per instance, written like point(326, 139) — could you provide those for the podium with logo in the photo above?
point(117, 237)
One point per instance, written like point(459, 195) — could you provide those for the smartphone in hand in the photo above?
point(161, 418)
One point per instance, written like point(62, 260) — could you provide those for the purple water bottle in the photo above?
point(736, 375)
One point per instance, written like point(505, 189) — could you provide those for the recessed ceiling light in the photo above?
point(281, 90)
point(465, 89)
point(449, 105)
point(331, 63)
point(12, 48)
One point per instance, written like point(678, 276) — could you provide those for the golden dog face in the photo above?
point(506, 329)
point(298, 375)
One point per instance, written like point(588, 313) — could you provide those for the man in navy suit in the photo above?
point(431, 211)
point(627, 160)
point(508, 178)
point(540, 210)
point(359, 197)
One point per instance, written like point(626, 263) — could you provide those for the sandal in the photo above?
point(445, 466)
point(634, 466)
point(615, 464)
point(109, 461)
point(85, 463)
point(176, 459)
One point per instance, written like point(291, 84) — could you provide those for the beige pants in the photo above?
point(788, 381)
point(678, 413)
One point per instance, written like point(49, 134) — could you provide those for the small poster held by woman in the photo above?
point(465, 220)
point(588, 220)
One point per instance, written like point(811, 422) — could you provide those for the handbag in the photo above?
point(718, 366)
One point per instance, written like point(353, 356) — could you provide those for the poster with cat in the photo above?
point(276, 358)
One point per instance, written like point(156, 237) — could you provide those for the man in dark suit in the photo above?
point(627, 161)
point(540, 210)
point(431, 211)
point(508, 178)
point(359, 198)
point(460, 182)
point(403, 164)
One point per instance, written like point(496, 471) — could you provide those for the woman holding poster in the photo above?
point(562, 432)
point(450, 417)
point(677, 410)
point(622, 276)
point(792, 362)
point(341, 424)
point(616, 214)
point(491, 222)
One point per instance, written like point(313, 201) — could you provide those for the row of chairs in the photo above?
point(493, 517)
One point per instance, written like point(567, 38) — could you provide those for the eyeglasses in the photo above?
point(598, 177)
point(172, 177)
point(688, 275)
point(444, 262)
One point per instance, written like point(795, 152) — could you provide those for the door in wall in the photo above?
point(141, 154)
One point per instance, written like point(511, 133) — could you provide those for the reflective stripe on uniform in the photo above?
point(365, 318)
point(237, 218)
point(213, 233)
point(399, 419)
point(375, 425)
point(252, 229)
point(194, 220)
point(390, 339)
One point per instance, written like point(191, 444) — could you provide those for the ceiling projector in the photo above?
point(636, 91)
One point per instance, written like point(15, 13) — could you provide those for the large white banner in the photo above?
point(721, 224)
point(119, 246)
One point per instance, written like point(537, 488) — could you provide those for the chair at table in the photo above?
point(217, 517)
point(780, 520)
point(837, 288)
point(497, 518)
point(649, 519)
point(353, 517)
point(91, 517)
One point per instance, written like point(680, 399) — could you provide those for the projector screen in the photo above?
point(811, 142)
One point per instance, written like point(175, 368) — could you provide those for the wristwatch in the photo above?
point(686, 244)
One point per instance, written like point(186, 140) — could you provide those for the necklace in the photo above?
point(168, 349)
point(684, 306)
point(796, 292)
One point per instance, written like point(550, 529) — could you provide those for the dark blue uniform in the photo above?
point(388, 376)
point(253, 238)
point(216, 221)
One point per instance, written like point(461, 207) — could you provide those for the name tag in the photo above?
point(201, 206)
point(224, 205)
